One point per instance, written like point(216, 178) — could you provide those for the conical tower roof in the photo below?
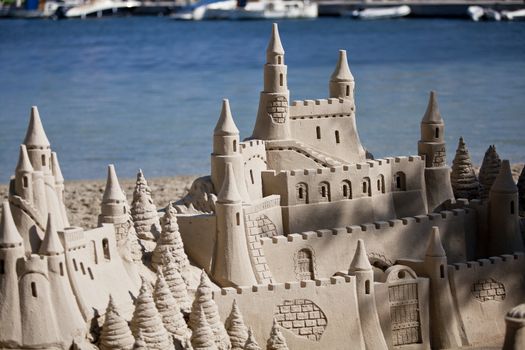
point(225, 124)
point(8, 232)
point(113, 190)
point(51, 244)
point(342, 71)
point(360, 261)
point(435, 248)
point(229, 192)
point(24, 164)
point(275, 47)
point(36, 136)
point(504, 182)
point(432, 114)
point(57, 173)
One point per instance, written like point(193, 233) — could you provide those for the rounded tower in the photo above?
point(232, 265)
point(504, 221)
point(273, 115)
point(342, 82)
point(515, 330)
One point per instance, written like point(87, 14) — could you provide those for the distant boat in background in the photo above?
point(514, 15)
point(478, 13)
point(96, 8)
point(379, 12)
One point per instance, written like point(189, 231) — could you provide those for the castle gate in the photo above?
point(404, 314)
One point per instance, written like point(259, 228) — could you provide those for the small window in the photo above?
point(82, 268)
point(337, 140)
point(324, 191)
point(25, 180)
point(400, 181)
point(238, 218)
point(512, 208)
point(75, 265)
point(105, 248)
point(367, 287)
point(347, 190)
point(367, 189)
point(318, 132)
point(33, 290)
point(437, 133)
point(348, 90)
point(301, 193)
point(281, 79)
point(442, 271)
point(90, 273)
point(364, 187)
point(43, 160)
point(61, 267)
point(251, 176)
point(235, 145)
point(378, 184)
point(124, 210)
point(279, 60)
point(2, 267)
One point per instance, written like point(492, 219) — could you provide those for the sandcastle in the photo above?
point(298, 239)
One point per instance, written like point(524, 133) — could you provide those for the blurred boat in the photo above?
point(514, 15)
point(96, 8)
point(379, 12)
point(204, 9)
point(478, 13)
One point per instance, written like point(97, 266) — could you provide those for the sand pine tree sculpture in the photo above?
point(177, 286)
point(489, 171)
point(251, 343)
point(203, 299)
point(521, 191)
point(463, 178)
point(170, 311)
point(140, 344)
point(236, 328)
point(144, 211)
point(115, 331)
point(170, 243)
point(276, 340)
point(147, 319)
point(202, 337)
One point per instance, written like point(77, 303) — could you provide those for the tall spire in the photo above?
point(229, 192)
point(51, 244)
point(9, 235)
point(360, 261)
point(57, 173)
point(225, 124)
point(275, 47)
point(342, 71)
point(113, 190)
point(435, 247)
point(489, 170)
point(432, 114)
point(504, 183)
point(36, 136)
point(24, 164)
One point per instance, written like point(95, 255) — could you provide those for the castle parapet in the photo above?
point(321, 108)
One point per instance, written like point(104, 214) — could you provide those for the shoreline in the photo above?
point(83, 197)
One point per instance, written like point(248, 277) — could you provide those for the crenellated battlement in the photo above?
point(35, 264)
point(493, 262)
point(321, 108)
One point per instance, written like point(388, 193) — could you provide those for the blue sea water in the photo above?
point(146, 92)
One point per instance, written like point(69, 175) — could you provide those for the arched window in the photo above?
point(235, 145)
point(441, 271)
point(437, 133)
point(2, 267)
point(124, 210)
point(279, 60)
point(366, 186)
point(337, 140)
point(305, 264)
point(367, 287)
point(347, 189)
point(25, 180)
point(302, 192)
point(33, 290)
point(318, 132)
point(61, 267)
point(281, 79)
point(348, 90)
point(381, 184)
point(105, 248)
point(400, 181)
point(43, 160)
point(251, 176)
point(324, 191)
point(238, 218)
point(512, 208)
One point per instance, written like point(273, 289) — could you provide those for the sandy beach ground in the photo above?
point(83, 197)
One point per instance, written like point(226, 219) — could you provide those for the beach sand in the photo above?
point(83, 197)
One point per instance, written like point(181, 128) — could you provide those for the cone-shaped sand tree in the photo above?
point(236, 328)
point(202, 337)
point(489, 171)
point(115, 332)
point(463, 178)
point(276, 340)
point(251, 343)
point(177, 286)
point(140, 344)
point(144, 211)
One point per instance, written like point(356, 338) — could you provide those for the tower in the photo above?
point(432, 148)
point(232, 265)
point(444, 327)
point(515, 330)
point(364, 279)
point(38, 146)
point(11, 250)
point(504, 226)
point(226, 149)
point(342, 81)
point(273, 116)
point(114, 205)
point(59, 186)
point(24, 176)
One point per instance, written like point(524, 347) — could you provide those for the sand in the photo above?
point(83, 197)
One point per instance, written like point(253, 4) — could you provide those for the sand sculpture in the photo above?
point(298, 239)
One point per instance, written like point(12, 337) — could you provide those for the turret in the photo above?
point(38, 146)
point(504, 225)
point(59, 186)
point(444, 325)
point(11, 250)
point(114, 204)
point(342, 81)
point(364, 279)
point(226, 149)
point(273, 116)
point(24, 176)
point(232, 265)
point(51, 244)
point(515, 330)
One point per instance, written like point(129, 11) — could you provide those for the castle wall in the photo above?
point(10, 321)
point(483, 291)
point(254, 156)
point(283, 159)
point(199, 234)
point(312, 314)
point(28, 222)
point(317, 122)
point(332, 250)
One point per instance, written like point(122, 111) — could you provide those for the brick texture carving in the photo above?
point(303, 317)
point(259, 226)
point(278, 109)
point(439, 157)
point(489, 289)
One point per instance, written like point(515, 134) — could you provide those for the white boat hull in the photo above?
point(98, 7)
point(381, 13)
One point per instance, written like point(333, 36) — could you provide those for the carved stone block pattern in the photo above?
point(404, 314)
point(489, 289)
point(303, 317)
point(278, 109)
point(257, 227)
point(439, 157)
